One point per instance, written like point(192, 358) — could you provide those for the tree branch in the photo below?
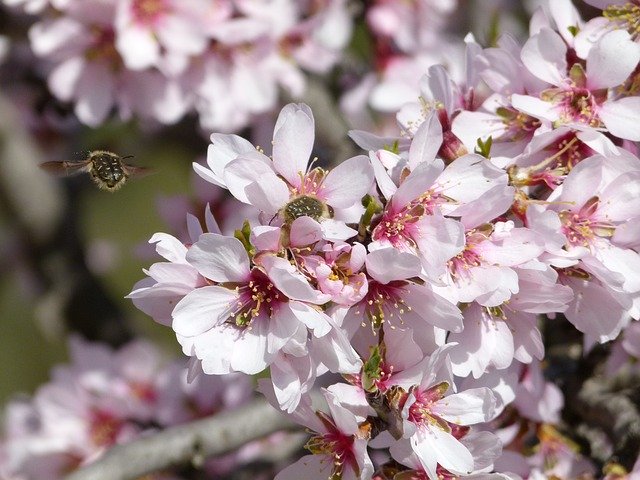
point(192, 442)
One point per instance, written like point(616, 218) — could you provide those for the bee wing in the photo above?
point(64, 167)
point(133, 171)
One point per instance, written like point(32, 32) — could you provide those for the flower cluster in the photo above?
point(421, 271)
point(160, 59)
point(103, 398)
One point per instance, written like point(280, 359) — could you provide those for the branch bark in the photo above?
point(188, 443)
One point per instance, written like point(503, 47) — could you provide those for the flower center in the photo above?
point(103, 47)
point(420, 411)
point(259, 297)
point(577, 104)
point(518, 125)
point(461, 264)
point(580, 228)
point(626, 16)
point(335, 444)
point(383, 302)
point(144, 391)
point(104, 428)
point(397, 227)
point(147, 12)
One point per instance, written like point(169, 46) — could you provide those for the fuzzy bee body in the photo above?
point(107, 170)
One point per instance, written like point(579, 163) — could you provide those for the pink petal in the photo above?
point(388, 264)
point(202, 309)
point(385, 184)
point(417, 183)
point(346, 184)
point(431, 445)
point(64, 78)
point(426, 141)
point(535, 107)
point(595, 311)
point(256, 183)
point(472, 406)
point(620, 200)
point(287, 384)
point(138, 47)
point(312, 318)
point(311, 467)
point(219, 258)
point(622, 117)
point(95, 90)
point(434, 309)
point(305, 231)
point(612, 60)
point(169, 247)
point(283, 325)
point(293, 139)
point(50, 36)
point(225, 148)
point(544, 55)
point(266, 238)
point(250, 353)
point(290, 281)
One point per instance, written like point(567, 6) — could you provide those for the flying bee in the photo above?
point(108, 170)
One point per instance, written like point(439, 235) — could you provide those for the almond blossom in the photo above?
point(581, 95)
point(284, 186)
point(435, 420)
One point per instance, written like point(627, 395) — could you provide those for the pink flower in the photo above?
point(338, 446)
point(434, 419)
point(148, 30)
point(494, 338)
point(396, 301)
point(484, 271)
point(412, 220)
point(284, 187)
point(250, 311)
point(337, 270)
point(582, 97)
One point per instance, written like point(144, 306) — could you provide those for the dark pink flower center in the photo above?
point(581, 228)
point(258, 297)
point(400, 227)
point(337, 445)
point(144, 391)
point(469, 258)
point(518, 125)
point(147, 12)
point(576, 104)
point(420, 411)
point(103, 47)
point(104, 428)
point(383, 381)
point(384, 302)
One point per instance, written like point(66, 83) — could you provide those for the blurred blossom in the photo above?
point(160, 59)
point(106, 397)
